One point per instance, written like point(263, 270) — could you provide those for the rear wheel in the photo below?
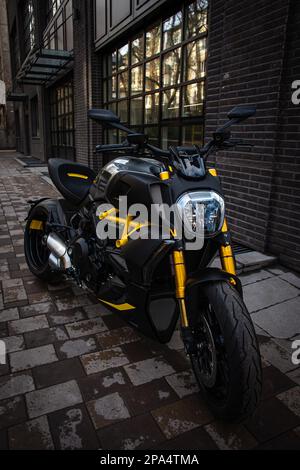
point(226, 361)
point(35, 247)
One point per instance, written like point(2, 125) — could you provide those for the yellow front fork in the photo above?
point(180, 280)
point(225, 251)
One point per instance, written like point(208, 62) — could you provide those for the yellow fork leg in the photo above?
point(227, 256)
point(180, 279)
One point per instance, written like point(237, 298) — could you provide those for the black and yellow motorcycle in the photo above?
point(153, 281)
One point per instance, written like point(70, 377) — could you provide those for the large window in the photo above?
point(62, 120)
point(155, 82)
point(59, 34)
point(53, 6)
point(28, 26)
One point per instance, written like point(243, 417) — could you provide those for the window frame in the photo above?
point(180, 121)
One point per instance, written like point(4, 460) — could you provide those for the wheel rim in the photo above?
point(210, 360)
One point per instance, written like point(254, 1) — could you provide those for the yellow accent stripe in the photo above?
point(120, 307)
point(164, 175)
point(77, 175)
point(213, 172)
point(36, 225)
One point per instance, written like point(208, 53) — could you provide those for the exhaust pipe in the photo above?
point(59, 258)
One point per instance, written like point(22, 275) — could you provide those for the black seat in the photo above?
point(103, 115)
point(73, 180)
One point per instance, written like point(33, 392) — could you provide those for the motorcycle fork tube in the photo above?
point(180, 280)
point(226, 254)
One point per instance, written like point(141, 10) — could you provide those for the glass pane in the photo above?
point(170, 104)
point(136, 117)
point(153, 41)
point(69, 34)
point(137, 50)
point(195, 59)
point(123, 110)
point(152, 133)
point(112, 136)
point(153, 75)
point(137, 80)
point(105, 98)
point(152, 108)
point(123, 85)
point(171, 67)
point(69, 9)
point(112, 88)
point(60, 38)
point(193, 100)
point(123, 57)
point(170, 136)
point(172, 29)
point(113, 107)
point(112, 63)
point(197, 18)
point(192, 135)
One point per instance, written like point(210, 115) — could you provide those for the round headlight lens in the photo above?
point(208, 203)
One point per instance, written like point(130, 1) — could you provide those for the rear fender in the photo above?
point(52, 206)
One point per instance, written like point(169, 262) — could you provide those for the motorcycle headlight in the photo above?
point(209, 203)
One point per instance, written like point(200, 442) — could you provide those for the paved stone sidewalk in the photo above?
point(79, 377)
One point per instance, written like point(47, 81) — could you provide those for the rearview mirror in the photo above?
point(242, 112)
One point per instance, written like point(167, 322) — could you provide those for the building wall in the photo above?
point(7, 134)
point(284, 224)
point(246, 57)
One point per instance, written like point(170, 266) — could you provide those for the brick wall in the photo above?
point(245, 61)
point(87, 85)
point(284, 224)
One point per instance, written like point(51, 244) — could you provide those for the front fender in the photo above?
point(206, 275)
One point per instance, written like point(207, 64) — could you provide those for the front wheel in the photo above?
point(226, 359)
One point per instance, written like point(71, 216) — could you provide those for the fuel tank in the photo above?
point(113, 178)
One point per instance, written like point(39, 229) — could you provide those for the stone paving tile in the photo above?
point(295, 375)
point(182, 416)
point(85, 327)
point(107, 410)
point(13, 385)
point(256, 276)
point(230, 437)
point(270, 420)
point(140, 350)
point(76, 347)
point(95, 311)
point(274, 382)
point(287, 441)
point(197, 439)
point(104, 383)
point(135, 434)
point(58, 372)
point(32, 357)
point(53, 398)
point(266, 293)
point(69, 302)
point(12, 411)
point(148, 396)
point(39, 297)
point(277, 356)
point(45, 336)
point(184, 383)
point(114, 321)
point(72, 429)
point(291, 278)
point(281, 320)
point(67, 316)
point(148, 370)
point(176, 341)
point(103, 360)
point(9, 314)
point(32, 435)
point(27, 324)
point(14, 343)
point(36, 309)
point(291, 398)
point(13, 290)
point(117, 337)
